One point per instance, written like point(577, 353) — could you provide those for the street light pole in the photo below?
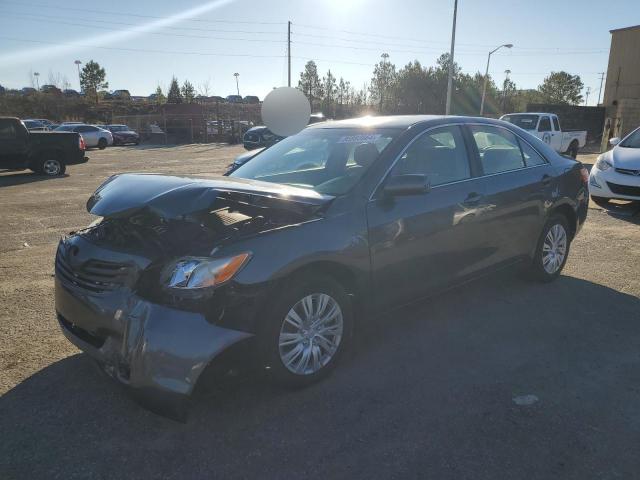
point(486, 75)
point(289, 53)
point(237, 85)
point(78, 63)
point(453, 44)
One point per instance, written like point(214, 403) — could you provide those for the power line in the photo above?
point(184, 35)
point(129, 14)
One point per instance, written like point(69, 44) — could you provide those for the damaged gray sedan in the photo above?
point(342, 220)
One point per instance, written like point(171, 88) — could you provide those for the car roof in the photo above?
point(531, 113)
point(400, 121)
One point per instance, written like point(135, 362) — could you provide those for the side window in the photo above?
point(7, 131)
point(498, 148)
point(545, 125)
point(440, 154)
point(556, 124)
point(531, 157)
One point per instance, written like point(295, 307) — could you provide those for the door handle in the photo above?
point(546, 179)
point(473, 199)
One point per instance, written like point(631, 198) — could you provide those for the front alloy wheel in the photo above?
point(310, 334)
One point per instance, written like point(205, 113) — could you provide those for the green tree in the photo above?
point(382, 83)
point(92, 79)
point(561, 87)
point(310, 83)
point(329, 90)
point(413, 90)
point(174, 95)
point(188, 92)
point(160, 98)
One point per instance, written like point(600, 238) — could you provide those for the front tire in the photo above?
point(307, 331)
point(552, 249)
point(102, 143)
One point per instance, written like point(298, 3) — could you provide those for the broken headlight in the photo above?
point(196, 272)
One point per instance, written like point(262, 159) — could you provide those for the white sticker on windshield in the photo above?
point(371, 138)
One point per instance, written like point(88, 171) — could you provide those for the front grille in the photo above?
point(97, 276)
point(628, 171)
point(624, 189)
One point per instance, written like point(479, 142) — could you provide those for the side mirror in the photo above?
point(408, 184)
point(614, 141)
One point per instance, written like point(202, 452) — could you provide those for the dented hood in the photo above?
point(175, 197)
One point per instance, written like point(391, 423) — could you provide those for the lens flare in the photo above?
point(74, 46)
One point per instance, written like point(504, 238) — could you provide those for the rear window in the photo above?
point(526, 122)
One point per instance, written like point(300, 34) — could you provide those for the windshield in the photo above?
point(65, 128)
point(632, 141)
point(118, 128)
point(526, 122)
point(329, 161)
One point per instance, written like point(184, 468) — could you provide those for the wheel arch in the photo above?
point(570, 214)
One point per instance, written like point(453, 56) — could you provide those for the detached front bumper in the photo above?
point(158, 351)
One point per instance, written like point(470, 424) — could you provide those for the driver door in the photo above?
point(425, 241)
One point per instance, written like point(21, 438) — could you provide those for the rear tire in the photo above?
point(102, 143)
point(50, 166)
point(552, 249)
point(601, 201)
point(301, 349)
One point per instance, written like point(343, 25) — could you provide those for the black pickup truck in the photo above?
point(46, 153)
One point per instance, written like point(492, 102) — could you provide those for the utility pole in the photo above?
point(586, 100)
point(600, 91)
point(36, 74)
point(78, 63)
point(453, 44)
point(289, 52)
point(237, 84)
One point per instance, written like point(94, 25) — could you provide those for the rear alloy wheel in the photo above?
point(552, 250)
point(601, 201)
point(51, 167)
point(307, 331)
point(102, 143)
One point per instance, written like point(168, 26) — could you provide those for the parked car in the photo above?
point(234, 99)
point(46, 153)
point(242, 159)
point(121, 94)
point(69, 92)
point(258, 137)
point(28, 91)
point(179, 269)
point(35, 126)
point(217, 99)
point(616, 173)
point(47, 123)
point(546, 126)
point(123, 135)
point(251, 99)
point(50, 89)
point(93, 136)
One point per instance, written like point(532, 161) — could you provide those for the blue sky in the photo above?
point(145, 42)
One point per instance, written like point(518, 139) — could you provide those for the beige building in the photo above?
point(622, 90)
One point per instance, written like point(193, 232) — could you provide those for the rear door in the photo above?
point(517, 181)
point(425, 241)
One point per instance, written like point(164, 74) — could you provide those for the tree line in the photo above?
point(418, 89)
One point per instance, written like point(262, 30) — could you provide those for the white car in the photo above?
point(93, 136)
point(616, 173)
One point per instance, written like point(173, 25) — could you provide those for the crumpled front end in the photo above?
point(157, 350)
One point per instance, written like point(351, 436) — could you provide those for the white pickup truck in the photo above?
point(546, 127)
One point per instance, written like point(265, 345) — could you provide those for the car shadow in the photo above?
point(8, 179)
point(628, 211)
point(436, 374)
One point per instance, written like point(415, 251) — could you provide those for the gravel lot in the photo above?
point(498, 379)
